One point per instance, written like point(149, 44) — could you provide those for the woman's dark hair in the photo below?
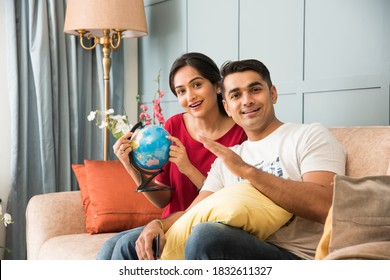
point(206, 68)
point(231, 67)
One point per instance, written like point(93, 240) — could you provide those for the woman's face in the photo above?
point(195, 93)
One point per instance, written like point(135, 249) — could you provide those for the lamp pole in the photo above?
point(108, 42)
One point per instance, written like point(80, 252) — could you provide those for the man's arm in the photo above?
point(310, 199)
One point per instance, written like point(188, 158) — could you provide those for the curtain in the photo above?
point(53, 85)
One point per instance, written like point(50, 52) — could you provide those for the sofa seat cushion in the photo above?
point(82, 246)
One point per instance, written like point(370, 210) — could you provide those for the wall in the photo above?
point(131, 79)
point(329, 59)
point(5, 128)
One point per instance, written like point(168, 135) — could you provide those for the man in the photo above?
point(292, 164)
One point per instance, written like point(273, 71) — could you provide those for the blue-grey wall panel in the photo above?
point(344, 38)
point(166, 41)
point(286, 108)
point(213, 29)
point(329, 59)
point(347, 108)
point(272, 31)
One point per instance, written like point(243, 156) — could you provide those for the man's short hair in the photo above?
point(231, 67)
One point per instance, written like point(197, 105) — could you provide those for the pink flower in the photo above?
point(144, 107)
point(157, 110)
point(160, 118)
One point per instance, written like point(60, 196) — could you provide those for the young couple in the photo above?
point(219, 115)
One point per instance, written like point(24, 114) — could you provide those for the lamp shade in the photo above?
point(95, 15)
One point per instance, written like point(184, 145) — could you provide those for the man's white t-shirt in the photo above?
point(289, 152)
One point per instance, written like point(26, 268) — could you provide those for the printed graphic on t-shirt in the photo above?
point(272, 167)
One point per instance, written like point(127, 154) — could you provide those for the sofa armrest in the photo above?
point(50, 215)
point(366, 251)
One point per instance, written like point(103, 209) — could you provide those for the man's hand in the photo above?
point(144, 243)
point(231, 160)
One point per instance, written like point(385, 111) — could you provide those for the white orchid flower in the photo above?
point(117, 118)
point(91, 116)
point(117, 124)
point(110, 112)
point(122, 126)
point(7, 219)
point(103, 124)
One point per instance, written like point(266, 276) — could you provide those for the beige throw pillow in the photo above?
point(360, 214)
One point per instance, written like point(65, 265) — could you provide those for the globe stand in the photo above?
point(143, 187)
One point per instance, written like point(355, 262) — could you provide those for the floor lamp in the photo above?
point(105, 22)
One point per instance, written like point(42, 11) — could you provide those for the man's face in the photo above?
point(249, 101)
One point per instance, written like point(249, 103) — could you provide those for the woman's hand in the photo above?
point(178, 155)
point(122, 149)
point(143, 245)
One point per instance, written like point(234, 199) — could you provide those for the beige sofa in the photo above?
point(55, 222)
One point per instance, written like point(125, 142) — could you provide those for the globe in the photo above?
point(150, 147)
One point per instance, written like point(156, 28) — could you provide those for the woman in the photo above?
point(195, 80)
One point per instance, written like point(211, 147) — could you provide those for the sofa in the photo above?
point(52, 233)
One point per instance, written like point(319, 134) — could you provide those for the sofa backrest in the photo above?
point(367, 147)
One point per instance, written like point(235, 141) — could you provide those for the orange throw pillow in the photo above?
point(114, 204)
point(81, 175)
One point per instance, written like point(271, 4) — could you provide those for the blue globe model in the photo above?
point(150, 147)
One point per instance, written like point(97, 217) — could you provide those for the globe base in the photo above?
point(143, 187)
point(153, 189)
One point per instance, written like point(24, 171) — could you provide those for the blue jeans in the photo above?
point(121, 246)
point(207, 241)
point(215, 241)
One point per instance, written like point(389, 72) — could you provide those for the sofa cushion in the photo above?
point(82, 246)
point(367, 147)
point(81, 175)
point(114, 204)
point(241, 206)
point(359, 214)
